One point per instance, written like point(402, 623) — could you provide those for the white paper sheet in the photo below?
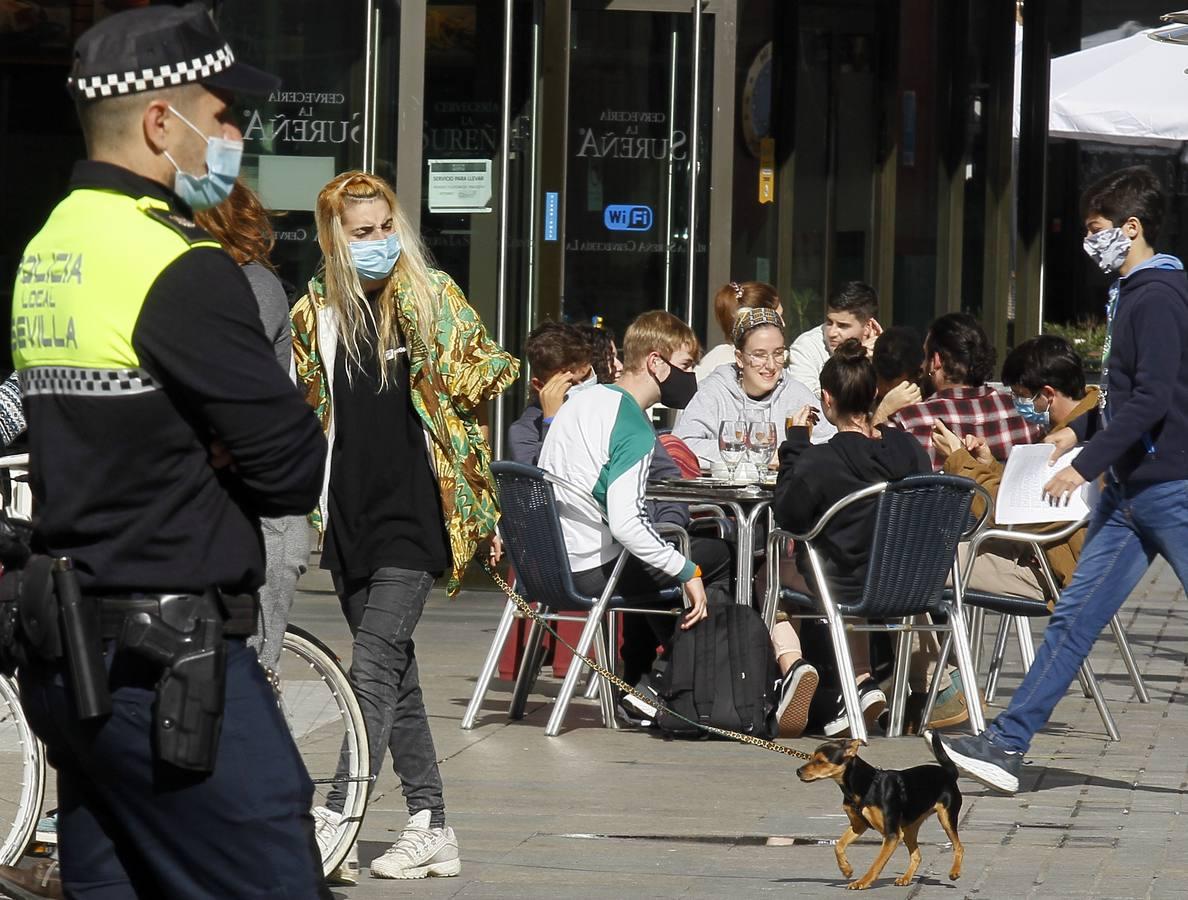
point(1021, 498)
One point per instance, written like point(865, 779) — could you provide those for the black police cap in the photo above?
point(159, 47)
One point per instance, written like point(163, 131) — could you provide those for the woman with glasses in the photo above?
point(755, 387)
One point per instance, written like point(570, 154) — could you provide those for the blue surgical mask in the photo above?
point(375, 259)
point(1025, 407)
point(222, 168)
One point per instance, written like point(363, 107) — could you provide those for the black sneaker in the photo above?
point(639, 711)
point(872, 700)
point(977, 758)
point(796, 696)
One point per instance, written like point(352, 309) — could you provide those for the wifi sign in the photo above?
point(623, 217)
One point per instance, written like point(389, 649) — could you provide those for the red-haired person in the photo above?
point(241, 225)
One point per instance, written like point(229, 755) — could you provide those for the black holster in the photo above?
point(186, 639)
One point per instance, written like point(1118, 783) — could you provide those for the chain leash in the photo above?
point(618, 682)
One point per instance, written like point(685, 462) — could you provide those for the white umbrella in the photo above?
point(1131, 91)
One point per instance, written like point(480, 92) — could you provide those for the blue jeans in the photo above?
point(1131, 525)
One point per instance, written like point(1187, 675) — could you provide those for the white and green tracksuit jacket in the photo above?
point(601, 444)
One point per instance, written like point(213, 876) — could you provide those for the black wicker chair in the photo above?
point(918, 523)
point(532, 538)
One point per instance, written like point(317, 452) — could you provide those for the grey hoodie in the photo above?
point(720, 396)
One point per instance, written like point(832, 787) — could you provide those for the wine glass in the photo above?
point(732, 443)
point(761, 443)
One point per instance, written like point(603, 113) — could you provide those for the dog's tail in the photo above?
point(942, 756)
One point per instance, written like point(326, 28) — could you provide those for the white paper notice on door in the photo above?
point(1021, 499)
point(459, 185)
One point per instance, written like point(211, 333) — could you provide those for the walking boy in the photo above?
point(1142, 451)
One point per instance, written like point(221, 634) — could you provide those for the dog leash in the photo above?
point(618, 682)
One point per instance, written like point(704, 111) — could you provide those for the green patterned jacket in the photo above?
point(450, 378)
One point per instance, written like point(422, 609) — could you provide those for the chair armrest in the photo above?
point(667, 529)
point(1035, 538)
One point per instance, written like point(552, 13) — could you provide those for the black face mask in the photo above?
point(678, 388)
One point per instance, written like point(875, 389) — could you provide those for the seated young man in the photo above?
point(601, 444)
point(958, 359)
point(1043, 370)
point(559, 359)
point(898, 358)
point(849, 313)
point(1047, 382)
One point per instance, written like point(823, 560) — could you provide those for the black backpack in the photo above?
point(722, 672)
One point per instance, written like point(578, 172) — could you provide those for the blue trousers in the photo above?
point(131, 827)
point(1131, 525)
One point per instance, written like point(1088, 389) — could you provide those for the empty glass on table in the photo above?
point(732, 443)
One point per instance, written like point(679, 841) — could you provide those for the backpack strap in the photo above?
point(705, 666)
point(725, 714)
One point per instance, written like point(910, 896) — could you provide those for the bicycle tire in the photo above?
point(17, 738)
point(325, 665)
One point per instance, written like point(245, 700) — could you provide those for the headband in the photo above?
point(748, 318)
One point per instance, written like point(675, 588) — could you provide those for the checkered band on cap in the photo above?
point(73, 381)
point(155, 78)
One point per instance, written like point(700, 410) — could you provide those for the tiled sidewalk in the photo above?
point(597, 813)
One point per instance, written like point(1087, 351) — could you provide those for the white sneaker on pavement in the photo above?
point(348, 870)
point(326, 824)
point(419, 851)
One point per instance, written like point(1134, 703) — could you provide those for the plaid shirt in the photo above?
point(981, 411)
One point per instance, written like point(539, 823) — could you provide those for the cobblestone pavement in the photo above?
point(598, 813)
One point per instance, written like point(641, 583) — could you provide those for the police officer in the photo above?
point(160, 430)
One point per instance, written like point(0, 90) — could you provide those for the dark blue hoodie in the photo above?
point(1147, 381)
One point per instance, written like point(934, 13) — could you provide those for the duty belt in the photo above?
point(240, 612)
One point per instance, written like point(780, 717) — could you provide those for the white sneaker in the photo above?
point(326, 825)
point(348, 870)
point(419, 851)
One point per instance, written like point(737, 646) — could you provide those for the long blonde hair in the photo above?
point(344, 292)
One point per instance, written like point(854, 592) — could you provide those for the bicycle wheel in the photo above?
point(327, 724)
point(22, 776)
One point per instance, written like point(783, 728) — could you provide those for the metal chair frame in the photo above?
point(1035, 541)
point(835, 615)
point(598, 632)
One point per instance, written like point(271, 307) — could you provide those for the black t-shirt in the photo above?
point(385, 509)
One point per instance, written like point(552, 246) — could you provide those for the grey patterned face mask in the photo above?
point(1108, 248)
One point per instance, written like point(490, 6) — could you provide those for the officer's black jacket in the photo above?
point(125, 485)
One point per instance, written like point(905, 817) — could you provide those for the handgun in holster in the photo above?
point(186, 640)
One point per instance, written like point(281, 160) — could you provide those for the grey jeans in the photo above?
point(382, 612)
point(286, 553)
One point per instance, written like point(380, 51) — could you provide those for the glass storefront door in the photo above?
point(630, 162)
point(337, 64)
point(616, 152)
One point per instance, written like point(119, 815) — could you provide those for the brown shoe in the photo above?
point(949, 711)
point(39, 880)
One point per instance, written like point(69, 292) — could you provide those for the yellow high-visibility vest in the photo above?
point(80, 286)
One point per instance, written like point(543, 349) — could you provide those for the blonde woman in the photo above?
point(397, 366)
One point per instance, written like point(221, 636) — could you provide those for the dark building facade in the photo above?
point(597, 158)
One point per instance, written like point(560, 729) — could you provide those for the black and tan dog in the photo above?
point(894, 803)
